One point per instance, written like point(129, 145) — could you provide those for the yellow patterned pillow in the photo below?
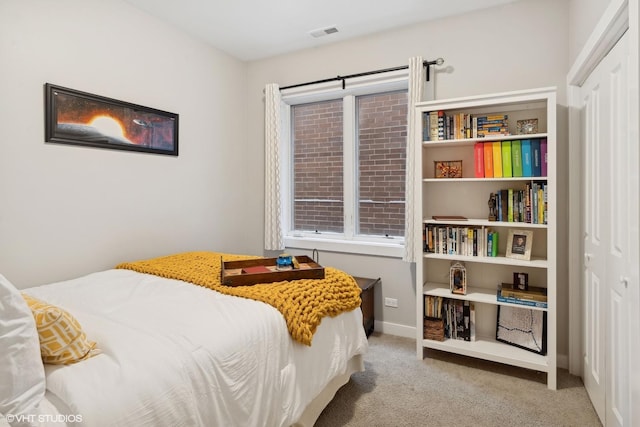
point(62, 340)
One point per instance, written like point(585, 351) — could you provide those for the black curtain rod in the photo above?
point(426, 64)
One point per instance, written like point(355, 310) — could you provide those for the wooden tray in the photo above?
point(263, 270)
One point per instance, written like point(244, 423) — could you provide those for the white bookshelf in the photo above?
point(467, 196)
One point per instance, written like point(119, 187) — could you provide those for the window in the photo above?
point(347, 154)
point(382, 149)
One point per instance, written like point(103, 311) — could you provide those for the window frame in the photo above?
point(347, 241)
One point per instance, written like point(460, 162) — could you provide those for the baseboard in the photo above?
point(395, 329)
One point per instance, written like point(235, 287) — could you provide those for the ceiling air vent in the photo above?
point(320, 32)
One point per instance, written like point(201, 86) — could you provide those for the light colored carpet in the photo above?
point(397, 389)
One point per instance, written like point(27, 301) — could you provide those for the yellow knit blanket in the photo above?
point(303, 302)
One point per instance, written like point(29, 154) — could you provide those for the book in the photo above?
point(506, 159)
point(516, 158)
point(534, 293)
point(494, 247)
point(449, 218)
point(536, 158)
point(543, 157)
point(466, 313)
point(459, 319)
point(256, 269)
point(441, 121)
point(503, 214)
point(492, 243)
point(478, 157)
point(528, 303)
point(497, 159)
point(433, 126)
point(472, 322)
point(433, 307)
point(488, 160)
point(510, 203)
point(527, 161)
point(425, 126)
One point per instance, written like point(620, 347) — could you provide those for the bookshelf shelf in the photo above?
point(486, 223)
point(510, 179)
point(501, 260)
point(475, 294)
point(468, 196)
point(487, 348)
point(471, 141)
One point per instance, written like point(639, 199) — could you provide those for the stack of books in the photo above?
point(532, 297)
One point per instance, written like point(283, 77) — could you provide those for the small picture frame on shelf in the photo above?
point(519, 244)
point(521, 281)
point(448, 169)
point(458, 278)
point(527, 126)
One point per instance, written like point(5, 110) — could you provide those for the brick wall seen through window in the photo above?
point(318, 158)
point(382, 150)
point(381, 155)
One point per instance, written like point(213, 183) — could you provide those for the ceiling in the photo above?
point(257, 29)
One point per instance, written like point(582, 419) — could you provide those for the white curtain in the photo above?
point(416, 92)
point(273, 232)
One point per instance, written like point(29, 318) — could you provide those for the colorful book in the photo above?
point(478, 152)
point(536, 158)
point(507, 171)
point(527, 161)
point(497, 159)
point(488, 160)
point(543, 157)
point(516, 158)
point(494, 245)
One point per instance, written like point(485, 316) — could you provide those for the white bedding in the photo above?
point(176, 354)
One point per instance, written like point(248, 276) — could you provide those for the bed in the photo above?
point(171, 352)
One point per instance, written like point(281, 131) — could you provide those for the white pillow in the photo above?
point(22, 380)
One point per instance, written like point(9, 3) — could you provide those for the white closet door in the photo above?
point(607, 238)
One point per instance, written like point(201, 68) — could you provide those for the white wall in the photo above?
point(65, 210)
point(515, 46)
point(583, 17)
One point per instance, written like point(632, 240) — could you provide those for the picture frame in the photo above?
point(520, 281)
point(519, 244)
point(458, 278)
point(80, 118)
point(522, 327)
point(527, 126)
point(448, 168)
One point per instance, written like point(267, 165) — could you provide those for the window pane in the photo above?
point(317, 167)
point(382, 149)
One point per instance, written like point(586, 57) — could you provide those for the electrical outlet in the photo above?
point(391, 302)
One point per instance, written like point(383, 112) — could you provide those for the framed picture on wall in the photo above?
point(80, 118)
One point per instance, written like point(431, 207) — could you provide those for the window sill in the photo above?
point(391, 250)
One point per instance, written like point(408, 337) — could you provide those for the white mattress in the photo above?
point(176, 354)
